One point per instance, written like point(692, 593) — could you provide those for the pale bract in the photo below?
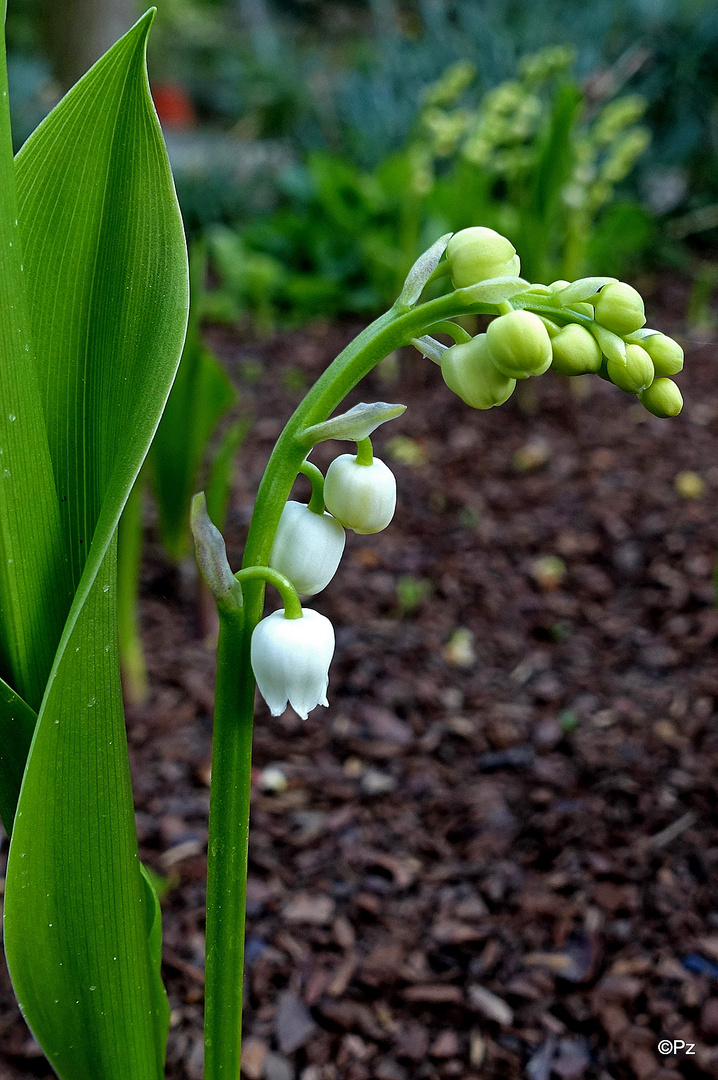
point(362, 497)
point(290, 660)
point(307, 547)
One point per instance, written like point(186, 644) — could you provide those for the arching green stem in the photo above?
point(290, 597)
point(365, 452)
point(316, 479)
point(452, 329)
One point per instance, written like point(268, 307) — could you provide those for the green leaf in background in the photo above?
point(221, 472)
point(552, 171)
point(153, 912)
point(201, 395)
point(135, 683)
point(106, 288)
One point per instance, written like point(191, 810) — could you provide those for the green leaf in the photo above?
point(353, 425)
point(221, 472)
point(105, 264)
point(35, 590)
point(76, 907)
point(153, 912)
point(105, 268)
point(17, 723)
point(201, 395)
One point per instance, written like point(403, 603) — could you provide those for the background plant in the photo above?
point(534, 159)
point(260, 86)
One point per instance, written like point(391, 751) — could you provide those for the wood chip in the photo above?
point(491, 1005)
point(433, 994)
point(254, 1051)
point(314, 910)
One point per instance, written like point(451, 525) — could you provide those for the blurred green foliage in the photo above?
point(535, 160)
point(306, 106)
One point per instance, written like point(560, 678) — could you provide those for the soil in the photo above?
point(495, 854)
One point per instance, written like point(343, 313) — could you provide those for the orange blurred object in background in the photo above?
point(173, 105)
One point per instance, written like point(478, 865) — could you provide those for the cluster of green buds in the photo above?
point(590, 326)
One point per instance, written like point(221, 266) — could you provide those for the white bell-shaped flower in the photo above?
point(307, 548)
point(290, 660)
point(362, 497)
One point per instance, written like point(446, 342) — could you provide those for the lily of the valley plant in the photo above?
point(93, 305)
point(593, 325)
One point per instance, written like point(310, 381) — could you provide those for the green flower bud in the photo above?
point(620, 308)
point(470, 373)
point(519, 345)
point(666, 354)
point(575, 351)
point(662, 398)
point(479, 253)
point(637, 374)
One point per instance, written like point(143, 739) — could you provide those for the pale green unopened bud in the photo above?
point(307, 548)
point(666, 354)
point(477, 254)
point(620, 308)
point(575, 351)
point(470, 372)
point(361, 497)
point(662, 398)
point(519, 345)
point(637, 374)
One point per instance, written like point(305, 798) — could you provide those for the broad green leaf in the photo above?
point(17, 723)
point(77, 912)
point(105, 266)
point(105, 263)
point(201, 395)
point(34, 584)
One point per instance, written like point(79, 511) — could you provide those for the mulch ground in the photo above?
point(495, 854)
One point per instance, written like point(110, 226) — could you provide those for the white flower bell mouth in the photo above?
point(291, 658)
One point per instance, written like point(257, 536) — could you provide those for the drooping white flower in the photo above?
point(290, 660)
point(362, 497)
point(307, 547)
